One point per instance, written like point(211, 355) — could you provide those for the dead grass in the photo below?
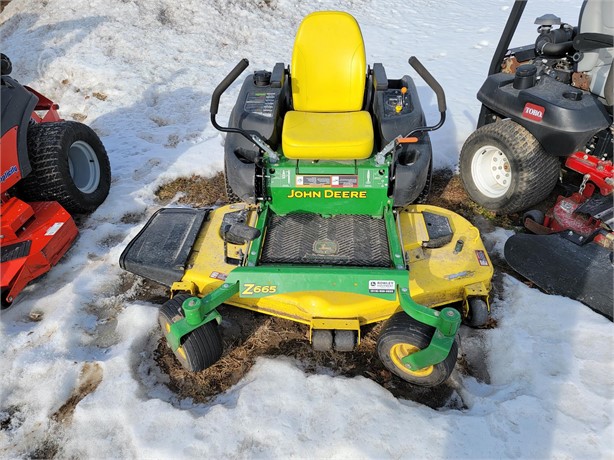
point(195, 190)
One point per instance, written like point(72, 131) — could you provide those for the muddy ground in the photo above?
point(248, 335)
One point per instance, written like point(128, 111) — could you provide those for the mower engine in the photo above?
point(553, 53)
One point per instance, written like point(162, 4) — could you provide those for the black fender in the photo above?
point(562, 118)
point(17, 107)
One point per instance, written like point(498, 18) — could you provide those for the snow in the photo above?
point(142, 73)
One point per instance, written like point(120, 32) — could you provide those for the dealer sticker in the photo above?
point(482, 260)
point(382, 286)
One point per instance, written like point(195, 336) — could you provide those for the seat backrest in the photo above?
point(329, 65)
point(597, 16)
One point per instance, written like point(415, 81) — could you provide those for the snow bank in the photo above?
point(141, 74)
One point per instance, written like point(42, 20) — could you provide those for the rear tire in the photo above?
point(402, 335)
point(505, 169)
point(69, 165)
point(230, 195)
point(200, 348)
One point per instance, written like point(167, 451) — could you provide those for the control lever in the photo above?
point(251, 136)
point(410, 138)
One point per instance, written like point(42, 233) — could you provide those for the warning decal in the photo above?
point(482, 259)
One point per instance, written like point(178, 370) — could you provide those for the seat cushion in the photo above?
point(327, 136)
point(329, 65)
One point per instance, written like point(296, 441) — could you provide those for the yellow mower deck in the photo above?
point(451, 273)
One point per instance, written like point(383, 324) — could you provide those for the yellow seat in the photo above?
point(328, 76)
point(331, 136)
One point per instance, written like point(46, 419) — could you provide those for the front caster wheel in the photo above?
point(401, 336)
point(478, 313)
point(199, 349)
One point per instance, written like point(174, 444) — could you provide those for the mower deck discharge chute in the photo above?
point(327, 157)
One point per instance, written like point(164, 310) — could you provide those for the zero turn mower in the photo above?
point(547, 105)
point(326, 157)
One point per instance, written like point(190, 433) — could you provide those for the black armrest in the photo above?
point(277, 77)
point(379, 76)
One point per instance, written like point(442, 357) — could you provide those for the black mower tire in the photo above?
point(69, 165)
point(199, 349)
point(402, 335)
point(478, 313)
point(424, 194)
point(230, 195)
point(529, 174)
point(535, 215)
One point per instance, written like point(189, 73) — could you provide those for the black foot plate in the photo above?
point(559, 266)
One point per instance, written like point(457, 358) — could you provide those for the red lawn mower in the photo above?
point(48, 168)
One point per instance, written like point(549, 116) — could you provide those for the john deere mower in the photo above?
point(326, 157)
point(547, 114)
point(49, 168)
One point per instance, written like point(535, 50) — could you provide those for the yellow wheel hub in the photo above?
point(400, 351)
point(180, 350)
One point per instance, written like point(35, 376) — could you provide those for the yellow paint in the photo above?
point(329, 65)
point(337, 194)
point(427, 282)
point(253, 289)
point(400, 351)
point(328, 77)
point(327, 136)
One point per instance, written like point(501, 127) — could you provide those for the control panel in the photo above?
point(396, 101)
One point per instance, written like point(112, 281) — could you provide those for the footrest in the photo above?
point(161, 249)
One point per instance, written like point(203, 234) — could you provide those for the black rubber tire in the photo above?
point(402, 330)
point(344, 340)
point(478, 313)
point(230, 195)
point(4, 301)
point(199, 349)
point(49, 145)
point(534, 173)
point(535, 215)
point(322, 340)
point(424, 194)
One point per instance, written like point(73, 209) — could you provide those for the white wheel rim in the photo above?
point(84, 167)
point(491, 171)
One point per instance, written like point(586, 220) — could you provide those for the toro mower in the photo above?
point(326, 157)
point(49, 168)
point(547, 114)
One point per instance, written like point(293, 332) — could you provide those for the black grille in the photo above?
point(15, 251)
point(339, 240)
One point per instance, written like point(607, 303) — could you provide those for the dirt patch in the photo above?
point(195, 190)
point(89, 379)
point(247, 335)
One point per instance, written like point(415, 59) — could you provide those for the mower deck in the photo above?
point(455, 267)
point(35, 237)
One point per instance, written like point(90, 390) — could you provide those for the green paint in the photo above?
point(327, 187)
